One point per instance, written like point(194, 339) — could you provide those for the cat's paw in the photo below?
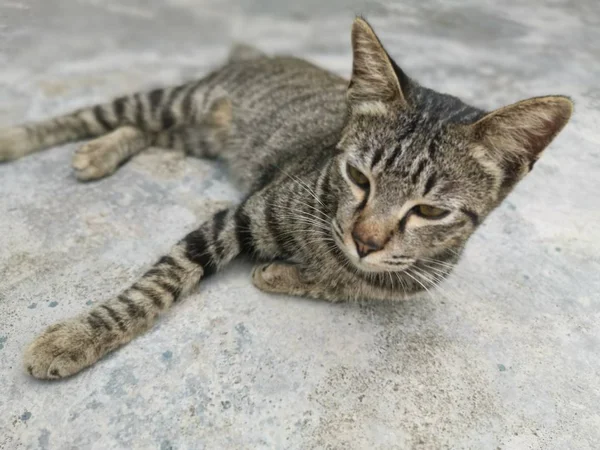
point(96, 159)
point(14, 143)
point(62, 350)
point(279, 278)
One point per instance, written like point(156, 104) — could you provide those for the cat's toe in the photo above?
point(260, 277)
point(60, 351)
point(94, 160)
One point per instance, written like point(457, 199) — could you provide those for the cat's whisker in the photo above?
point(300, 203)
point(301, 184)
point(443, 290)
point(293, 213)
point(447, 270)
point(431, 280)
point(437, 261)
point(441, 264)
point(440, 273)
point(431, 264)
point(313, 207)
point(391, 280)
point(306, 219)
point(416, 280)
point(404, 282)
point(434, 281)
point(316, 225)
point(298, 211)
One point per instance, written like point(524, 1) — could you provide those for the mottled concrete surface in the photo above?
point(506, 355)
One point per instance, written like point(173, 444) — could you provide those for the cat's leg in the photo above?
point(293, 279)
point(101, 157)
point(208, 136)
point(152, 112)
point(85, 123)
point(290, 279)
point(67, 347)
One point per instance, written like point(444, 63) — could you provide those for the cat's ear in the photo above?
point(520, 132)
point(373, 76)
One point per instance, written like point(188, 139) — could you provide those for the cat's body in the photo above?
point(359, 192)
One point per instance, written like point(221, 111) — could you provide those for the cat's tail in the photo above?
point(66, 348)
point(150, 112)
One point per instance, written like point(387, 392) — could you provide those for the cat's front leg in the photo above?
point(67, 347)
point(297, 280)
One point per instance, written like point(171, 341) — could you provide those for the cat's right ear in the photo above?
point(513, 138)
point(376, 80)
point(520, 132)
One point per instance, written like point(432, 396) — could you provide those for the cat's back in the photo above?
point(264, 82)
point(282, 105)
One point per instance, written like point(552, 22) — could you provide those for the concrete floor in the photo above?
point(506, 355)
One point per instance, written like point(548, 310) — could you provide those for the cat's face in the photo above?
point(418, 171)
point(408, 191)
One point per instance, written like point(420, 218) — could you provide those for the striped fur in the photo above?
point(335, 181)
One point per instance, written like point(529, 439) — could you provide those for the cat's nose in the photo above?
point(365, 245)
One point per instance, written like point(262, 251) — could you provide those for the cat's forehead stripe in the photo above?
point(430, 183)
point(377, 155)
point(414, 177)
point(432, 148)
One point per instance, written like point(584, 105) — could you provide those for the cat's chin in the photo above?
point(368, 267)
point(365, 266)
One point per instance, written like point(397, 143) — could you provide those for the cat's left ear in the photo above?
point(517, 134)
point(375, 78)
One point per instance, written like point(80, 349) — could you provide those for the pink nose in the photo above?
point(365, 246)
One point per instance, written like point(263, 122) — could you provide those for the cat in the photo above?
point(361, 190)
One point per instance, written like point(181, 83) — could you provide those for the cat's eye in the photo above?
point(357, 177)
point(430, 212)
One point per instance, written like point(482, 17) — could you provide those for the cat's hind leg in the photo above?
point(84, 123)
point(204, 135)
point(101, 157)
point(207, 136)
point(152, 112)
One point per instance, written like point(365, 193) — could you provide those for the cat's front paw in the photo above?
point(62, 350)
point(279, 278)
point(14, 143)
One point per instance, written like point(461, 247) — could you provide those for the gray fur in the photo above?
point(288, 130)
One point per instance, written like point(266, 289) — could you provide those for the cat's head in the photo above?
point(418, 171)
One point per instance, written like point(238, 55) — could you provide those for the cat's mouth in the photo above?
point(370, 263)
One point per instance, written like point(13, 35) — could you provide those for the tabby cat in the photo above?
point(366, 190)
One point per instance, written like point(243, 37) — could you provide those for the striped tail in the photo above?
point(67, 347)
